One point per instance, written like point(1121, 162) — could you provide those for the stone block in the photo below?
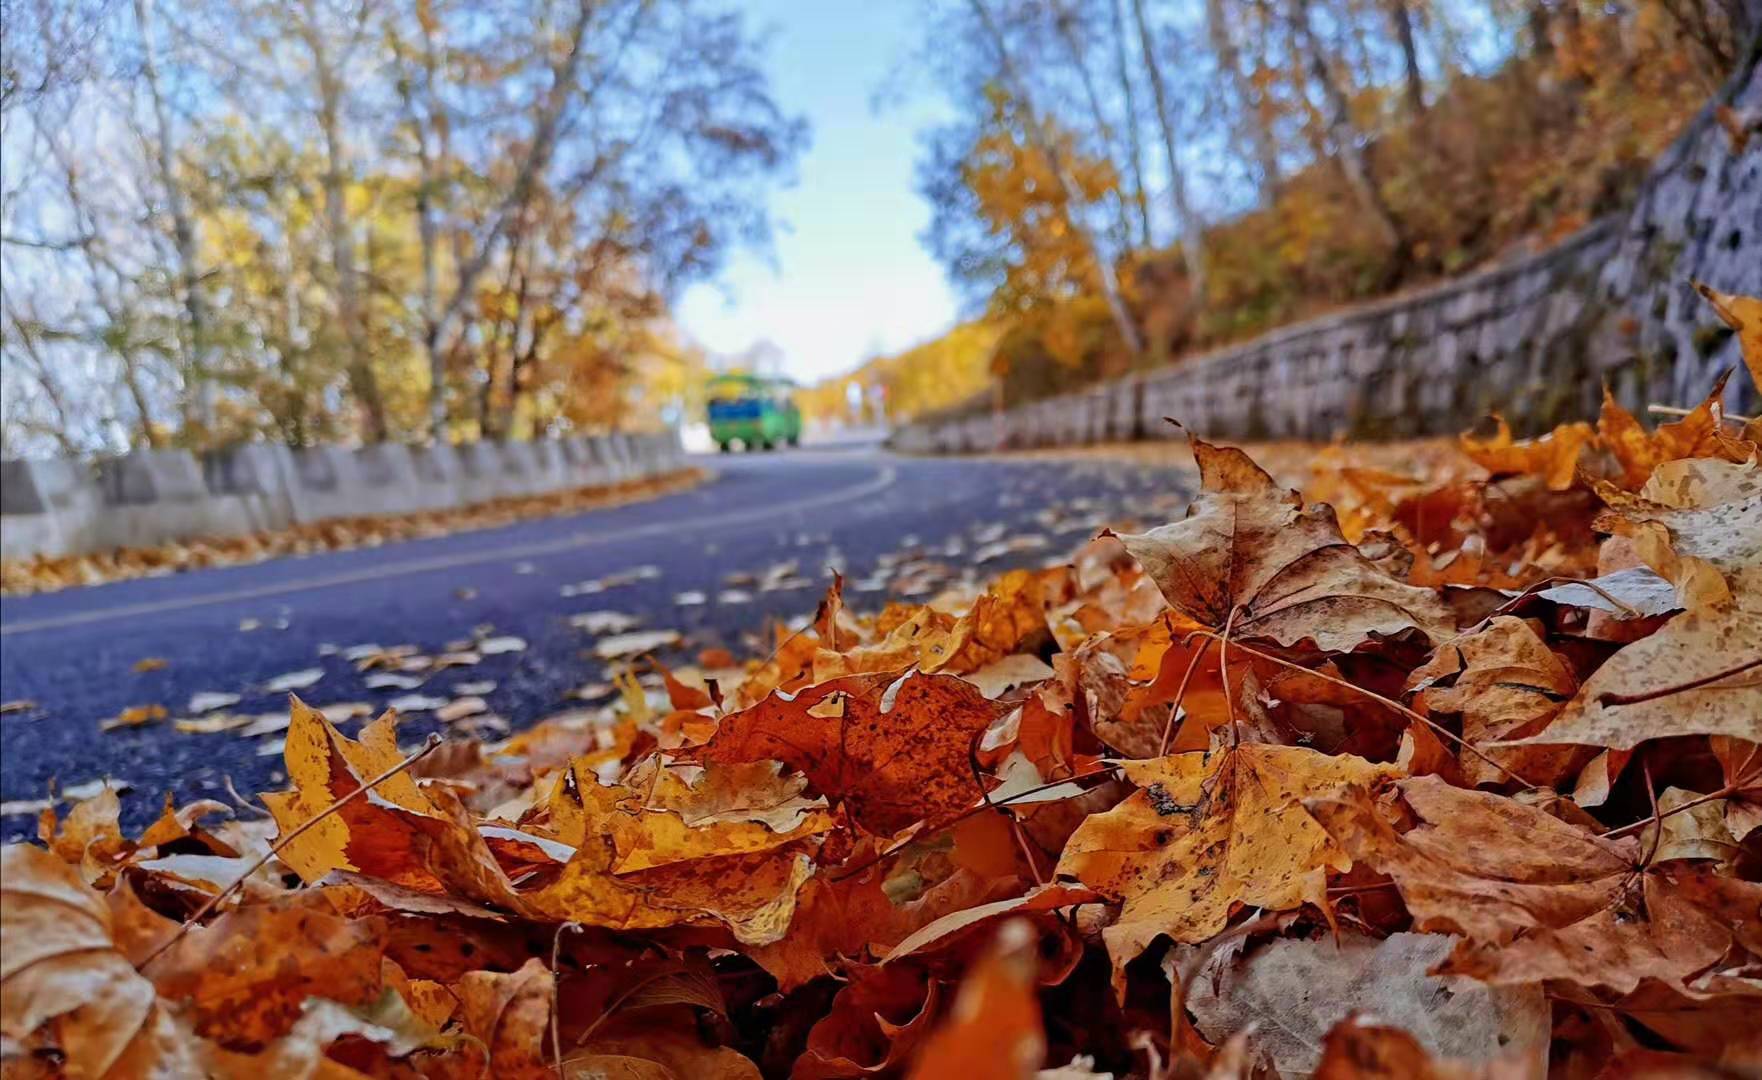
point(41, 486)
point(151, 476)
point(324, 469)
point(385, 465)
point(248, 469)
point(478, 460)
point(436, 464)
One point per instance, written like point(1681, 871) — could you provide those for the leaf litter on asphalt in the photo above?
point(1444, 776)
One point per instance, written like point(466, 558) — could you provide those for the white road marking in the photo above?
point(883, 479)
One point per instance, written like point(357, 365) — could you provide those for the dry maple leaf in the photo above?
point(758, 792)
point(1356, 1049)
point(1249, 547)
point(66, 979)
point(1744, 315)
point(1505, 683)
point(1740, 761)
point(1689, 826)
point(61, 963)
point(874, 1025)
point(647, 822)
point(1554, 456)
point(1639, 452)
point(993, 1032)
point(1292, 991)
point(1009, 616)
point(510, 1013)
point(892, 748)
point(753, 894)
point(630, 866)
point(1698, 523)
point(1209, 832)
point(90, 836)
point(244, 979)
point(1687, 678)
point(422, 841)
point(1536, 898)
point(842, 921)
point(1045, 898)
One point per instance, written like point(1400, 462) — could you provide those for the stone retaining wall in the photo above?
point(60, 507)
point(1534, 339)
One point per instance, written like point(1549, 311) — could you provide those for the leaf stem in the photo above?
point(1722, 793)
point(1390, 703)
point(1607, 700)
point(215, 901)
point(1168, 729)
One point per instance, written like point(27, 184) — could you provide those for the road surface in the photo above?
point(72, 655)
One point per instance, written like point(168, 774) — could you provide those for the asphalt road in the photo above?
point(72, 654)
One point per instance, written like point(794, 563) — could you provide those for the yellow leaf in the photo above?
point(1209, 832)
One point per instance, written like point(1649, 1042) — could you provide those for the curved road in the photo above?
point(72, 654)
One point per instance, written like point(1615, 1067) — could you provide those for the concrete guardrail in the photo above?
point(62, 507)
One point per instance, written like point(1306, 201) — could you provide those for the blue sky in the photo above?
point(847, 277)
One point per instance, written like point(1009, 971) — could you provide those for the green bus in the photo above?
point(755, 411)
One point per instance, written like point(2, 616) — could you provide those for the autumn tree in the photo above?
point(1239, 163)
point(364, 219)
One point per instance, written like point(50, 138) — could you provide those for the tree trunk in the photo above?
point(519, 351)
point(131, 380)
point(1122, 223)
point(1541, 32)
point(363, 382)
point(428, 180)
point(1344, 134)
point(1134, 141)
point(1254, 122)
point(538, 155)
point(43, 373)
point(197, 347)
point(1104, 270)
point(1192, 235)
point(1402, 18)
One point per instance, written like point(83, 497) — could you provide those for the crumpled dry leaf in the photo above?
point(635, 643)
point(1535, 898)
point(873, 1026)
point(510, 1013)
point(134, 716)
point(1741, 763)
point(993, 1032)
point(244, 979)
point(1694, 828)
point(1358, 1049)
point(1682, 680)
point(1248, 547)
point(1636, 592)
point(892, 748)
point(1699, 524)
point(1743, 314)
point(1699, 435)
point(1050, 897)
point(420, 840)
point(1554, 456)
point(61, 963)
point(1208, 832)
point(1506, 684)
point(1295, 991)
point(655, 1047)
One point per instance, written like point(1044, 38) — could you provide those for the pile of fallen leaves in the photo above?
point(46, 573)
point(1463, 780)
